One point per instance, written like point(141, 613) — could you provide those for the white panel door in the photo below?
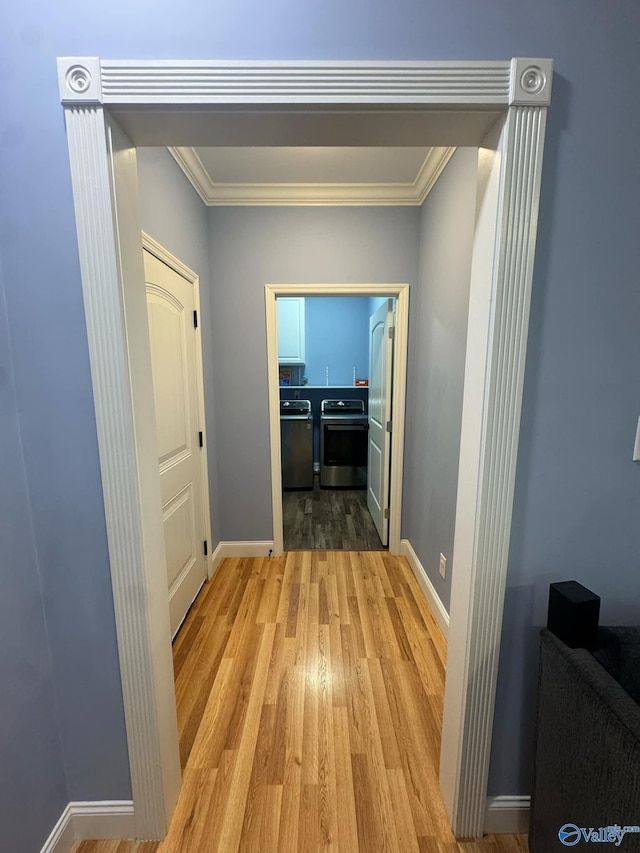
point(170, 306)
point(379, 455)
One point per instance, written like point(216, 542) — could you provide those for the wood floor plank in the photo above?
point(327, 796)
point(369, 829)
point(284, 700)
point(375, 758)
point(368, 633)
point(292, 782)
point(388, 735)
point(312, 654)
point(209, 742)
point(346, 804)
point(338, 690)
point(270, 599)
point(341, 584)
point(261, 827)
point(287, 579)
point(246, 615)
point(309, 824)
point(405, 829)
point(309, 695)
point(239, 786)
point(195, 682)
point(276, 664)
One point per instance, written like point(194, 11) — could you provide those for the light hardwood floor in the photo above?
point(309, 693)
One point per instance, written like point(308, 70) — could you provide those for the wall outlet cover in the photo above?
point(443, 566)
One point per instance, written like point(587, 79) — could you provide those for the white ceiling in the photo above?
point(303, 175)
point(312, 165)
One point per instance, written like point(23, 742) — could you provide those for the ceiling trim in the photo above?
point(291, 194)
point(431, 169)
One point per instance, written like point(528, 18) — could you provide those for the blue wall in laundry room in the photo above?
point(337, 339)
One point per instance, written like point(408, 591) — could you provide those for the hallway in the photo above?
point(309, 693)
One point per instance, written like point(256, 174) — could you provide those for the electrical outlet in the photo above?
point(443, 566)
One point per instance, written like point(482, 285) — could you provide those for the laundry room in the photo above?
point(324, 365)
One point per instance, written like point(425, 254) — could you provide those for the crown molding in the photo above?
point(194, 170)
point(432, 168)
point(289, 194)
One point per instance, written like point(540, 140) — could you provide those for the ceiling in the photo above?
point(312, 175)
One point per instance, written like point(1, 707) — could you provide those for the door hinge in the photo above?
point(392, 332)
point(206, 548)
point(389, 427)
point(195, 319)
point(200, 438)
point(387, 513)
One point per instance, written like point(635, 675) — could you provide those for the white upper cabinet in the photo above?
point(290, 329)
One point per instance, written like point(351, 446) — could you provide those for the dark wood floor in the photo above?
point(328, 519)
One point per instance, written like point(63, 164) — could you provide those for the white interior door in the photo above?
point(379, 455)
point(170, 306)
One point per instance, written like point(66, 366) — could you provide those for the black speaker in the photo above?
point(573, 614)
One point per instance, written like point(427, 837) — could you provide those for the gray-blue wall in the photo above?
point(251, 247)
point(33, 788)
point(175, 216)
point(435, 378)
point(577, 491)
point(57, 430)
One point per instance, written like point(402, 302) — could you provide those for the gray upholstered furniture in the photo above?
point(587, 742)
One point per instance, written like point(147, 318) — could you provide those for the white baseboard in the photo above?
point(62, 836)
point(251, 548)
point(507, 815)
point(94, 819)
point(437, 607)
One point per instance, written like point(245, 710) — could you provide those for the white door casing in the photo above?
point(455, 98)
point(400, 293)
point(172, 334)
point(123, 393)
point(379, 413)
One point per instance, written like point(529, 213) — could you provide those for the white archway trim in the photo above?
point(401, 293)
point(520, 89)
point(500, 296)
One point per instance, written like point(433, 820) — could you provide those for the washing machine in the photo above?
point(296, 444)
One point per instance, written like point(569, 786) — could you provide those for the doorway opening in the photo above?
point(335, 390)
point(112, 106)
point(384, 480)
